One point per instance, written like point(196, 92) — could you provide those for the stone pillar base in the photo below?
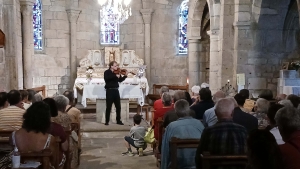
point(101, 107)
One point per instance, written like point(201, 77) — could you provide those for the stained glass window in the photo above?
point(183, 20)
point(37, 25)
point(109, 27)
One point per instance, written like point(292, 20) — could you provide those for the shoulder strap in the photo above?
point(69, 108)
point(14, 138)
point(47, 144)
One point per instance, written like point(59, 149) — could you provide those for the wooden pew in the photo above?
point(76, 127)
point(43, 157)
point(68, 153)
point(4, 142)
point(211, 161)
point(158, 144)
point(176, 143)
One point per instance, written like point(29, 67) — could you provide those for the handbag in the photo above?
point(149, 136)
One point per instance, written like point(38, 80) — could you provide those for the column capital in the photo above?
point(27, 2)
point(73, 14)
point(147, 14)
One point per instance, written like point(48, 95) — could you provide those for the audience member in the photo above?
point(225, 137)
point(62, 118)
point(31, 94)
point(261, 109)
point(57, 130)
point(37, 98)
point(249, 104)
point(273, 126)
point(288, 121)
point(188, 98)
point(136, 137)
point(72, 111)
point(11, 118)
point(195, 93)
point(24, 95)
point(263, 152)
point(205, 85)
point(286, 103)
point(209, 116)
point(167, 102)
point(33, 136)
point(242, 118)
point(185, 127)
point(171, 116)
point(266, 94)
point(294, 99)
point(204, 104)
point(158, 103)
point(280, 97)
point(3, 100)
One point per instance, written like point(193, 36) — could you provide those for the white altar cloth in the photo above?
point(126, 91)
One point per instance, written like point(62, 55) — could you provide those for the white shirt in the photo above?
point(277, 135)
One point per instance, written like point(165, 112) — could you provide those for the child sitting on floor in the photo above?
point(136, 138)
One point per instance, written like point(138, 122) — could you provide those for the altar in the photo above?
point(89, 84)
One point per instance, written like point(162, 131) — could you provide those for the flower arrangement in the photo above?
point(89, 72)
point(295, 65)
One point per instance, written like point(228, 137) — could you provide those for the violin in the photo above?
point(122, 71)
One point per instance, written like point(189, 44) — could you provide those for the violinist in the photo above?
point(112, 80)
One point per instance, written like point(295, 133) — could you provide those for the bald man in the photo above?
point(209, 116)
point(225, 137)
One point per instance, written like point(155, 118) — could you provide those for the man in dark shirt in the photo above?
point(240, 117)
point(204, 104)
point(112, 93)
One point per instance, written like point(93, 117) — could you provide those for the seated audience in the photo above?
point(249, 104)
point(242, 118)
point(37, 98)
point(280, 97)
point(288, 121)
point(266, 94)
point(72, 111)
point(209, 117)
point(261, 109)
point(225, 137)
point(24, 95)
point(294, 99)
point(167, 102)
point(263, 152)
point(11, 118)
point(286, 103)
point(273, 126)
point(185, 127)
point(195, 93)
point(158, 103)
point(204, 85)
point(204, 104)
point(31, 94)
point(136, 137)
point(188, 98)
point(33, 136)
point(57, 130)
point(3, 100)
point(62, 118)
point(171, 116)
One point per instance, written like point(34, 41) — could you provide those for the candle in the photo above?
point(228, 81)
point(187, 80)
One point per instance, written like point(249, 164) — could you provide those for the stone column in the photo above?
point(193, 62)
point(73, 14)
point(147, 14)
point(27, 40)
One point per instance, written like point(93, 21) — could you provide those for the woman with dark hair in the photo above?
point(188, 98)
point(57, 130)
point(31, 98)
point(3, 100)
point(263, 151)
point(204, 104)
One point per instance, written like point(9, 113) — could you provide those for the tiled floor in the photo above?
point(102, 150)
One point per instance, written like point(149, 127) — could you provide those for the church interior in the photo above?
point(200, 84)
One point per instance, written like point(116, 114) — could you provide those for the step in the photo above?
point(288, 74)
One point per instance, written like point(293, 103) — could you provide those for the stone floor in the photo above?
point(102, 150)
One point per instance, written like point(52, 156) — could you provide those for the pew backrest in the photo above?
point(210, 161)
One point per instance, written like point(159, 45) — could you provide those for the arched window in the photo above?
point(109, 27)
point(183, 20)
point(37, 25)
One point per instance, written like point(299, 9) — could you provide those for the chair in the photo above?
point(176, 143)
point(211, 161)
point(42, 157)
point(76, 127)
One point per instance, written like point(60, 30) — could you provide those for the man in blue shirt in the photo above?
point(185, 127)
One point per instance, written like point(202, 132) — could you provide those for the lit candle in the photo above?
point(228, 81)
point(187, 80)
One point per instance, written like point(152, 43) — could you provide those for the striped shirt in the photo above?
point(11, 118)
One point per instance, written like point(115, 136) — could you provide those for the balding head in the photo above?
point(281, 97)
point(224, 109)
point(218, 95)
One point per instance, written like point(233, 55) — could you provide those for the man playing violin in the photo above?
point(112, 93)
